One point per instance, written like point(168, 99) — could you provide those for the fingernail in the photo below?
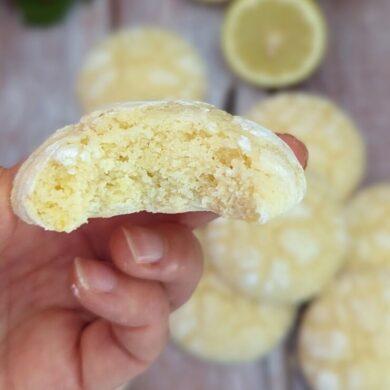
point(298, 146)
point(94, 275)
point(145, 245)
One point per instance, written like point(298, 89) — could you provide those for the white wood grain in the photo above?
point(177, 370)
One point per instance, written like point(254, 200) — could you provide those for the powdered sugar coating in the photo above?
point(336, 149)
point(292, 256)
point(219, 324)
point(345, 337)
point(125, 67)
point(368, 217)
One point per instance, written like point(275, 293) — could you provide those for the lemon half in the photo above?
point(274, 43)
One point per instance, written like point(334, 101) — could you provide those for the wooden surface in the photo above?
point(37, 73)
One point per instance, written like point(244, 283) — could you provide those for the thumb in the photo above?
point(7, 217)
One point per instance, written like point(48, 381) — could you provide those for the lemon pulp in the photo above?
point(274, 42)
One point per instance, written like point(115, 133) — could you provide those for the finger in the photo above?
point(134, 325)
point(109, 356)
point(168, 253)
point(298, 147)
point(7, 217)
point(119, 298)
point(195, 219)
point(97, 230)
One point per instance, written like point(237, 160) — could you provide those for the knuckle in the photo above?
point(157, 305)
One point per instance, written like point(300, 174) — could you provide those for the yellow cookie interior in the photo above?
point(160, 158)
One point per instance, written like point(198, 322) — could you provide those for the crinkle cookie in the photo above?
point(345, 336)
point(141, 64)
point(368, 217)
point(336, 149)
point(221, 325)
point(289, 259)
point(167, 157)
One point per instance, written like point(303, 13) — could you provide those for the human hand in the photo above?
point(89, 310)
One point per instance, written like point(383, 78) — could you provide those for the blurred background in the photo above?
point(38, 66)
point(41, 54)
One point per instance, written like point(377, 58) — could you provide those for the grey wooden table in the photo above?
point(37, 73)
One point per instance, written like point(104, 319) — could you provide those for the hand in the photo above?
point(89, 310)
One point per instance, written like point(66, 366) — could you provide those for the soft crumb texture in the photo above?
point(336, 149)
point(167, 157)
point(287, 260)
point(141, 64)
point(345, 337)
point(220, 325)
point(368, 217)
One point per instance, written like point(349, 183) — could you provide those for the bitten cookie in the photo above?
point(345, 336)
point(167, 157)
point(289, 259)
point(368, 217)
point(141, 64)
point(220, 325)
point(336, 149)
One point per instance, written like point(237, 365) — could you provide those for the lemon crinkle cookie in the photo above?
point(368, 217)
point(289, 259)
point(336, 148)
point(141, 64)
point(345, 336)
point(167, 157)
point(220, 325)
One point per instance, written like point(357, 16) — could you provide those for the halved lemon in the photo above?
point(274, 43)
